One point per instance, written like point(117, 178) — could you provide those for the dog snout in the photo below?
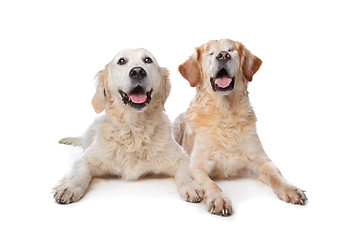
point(223, 56)
point(137, 73)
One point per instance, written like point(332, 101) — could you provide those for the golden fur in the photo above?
point(125, 142)
point(218, 130)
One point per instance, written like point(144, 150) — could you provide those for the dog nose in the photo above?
point(137, 73)
point(223, 56)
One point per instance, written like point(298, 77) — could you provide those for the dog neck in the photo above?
point(210, 109)
point(120, 114)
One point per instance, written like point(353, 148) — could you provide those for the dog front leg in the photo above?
point(187, 188)
point(178, 167)
point(216, 201)
point(267, 172)
point(71, 189)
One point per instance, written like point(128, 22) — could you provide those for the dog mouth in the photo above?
point(136, 98)
point(222, 81)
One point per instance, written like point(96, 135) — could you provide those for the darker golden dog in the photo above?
point(219, 128)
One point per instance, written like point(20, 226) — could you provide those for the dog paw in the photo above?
point(68, 194)
point(291, 194)
point(218, 204)
point(191, 192)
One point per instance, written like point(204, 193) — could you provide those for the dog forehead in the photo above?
point(133, 54)
point(219, 45)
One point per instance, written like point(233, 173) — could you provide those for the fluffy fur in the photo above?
point(128, 142)
point(218, 130)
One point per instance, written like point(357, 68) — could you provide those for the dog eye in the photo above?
point(229, 50)
point(121, 61)
point(148, 60)
point(211, 53)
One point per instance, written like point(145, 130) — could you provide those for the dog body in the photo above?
point(133, 137)
point(219, 128)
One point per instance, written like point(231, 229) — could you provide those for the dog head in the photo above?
point(220, 65)
point(132, 79)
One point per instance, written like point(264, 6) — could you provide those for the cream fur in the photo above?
point(125, 142)
point(219, 130)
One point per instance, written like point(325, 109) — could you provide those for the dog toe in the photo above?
point(191, 192)
point(218, 204)
point(292, 195)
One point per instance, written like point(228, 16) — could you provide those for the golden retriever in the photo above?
point(133, 138)
point(219, 128)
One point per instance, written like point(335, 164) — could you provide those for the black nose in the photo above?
point(137, 73)
point(223, 56)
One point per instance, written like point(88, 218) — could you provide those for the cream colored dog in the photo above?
point(219, 128)
point(133, 137)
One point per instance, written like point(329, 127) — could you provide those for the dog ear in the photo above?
point(165, 85)
point(98, 100)
point(191, 70)
point(249, 63)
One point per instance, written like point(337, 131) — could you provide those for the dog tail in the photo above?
point(83, 141)
point(179, 129)
point(74, 141)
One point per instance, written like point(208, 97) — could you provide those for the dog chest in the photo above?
point(225, 132)
point(133, 150)
point(124, 149)
point(228, 165)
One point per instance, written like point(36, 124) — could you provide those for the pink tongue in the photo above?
point(223, 82)
point(138, 98)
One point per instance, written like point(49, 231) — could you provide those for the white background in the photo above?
point(305, 95)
